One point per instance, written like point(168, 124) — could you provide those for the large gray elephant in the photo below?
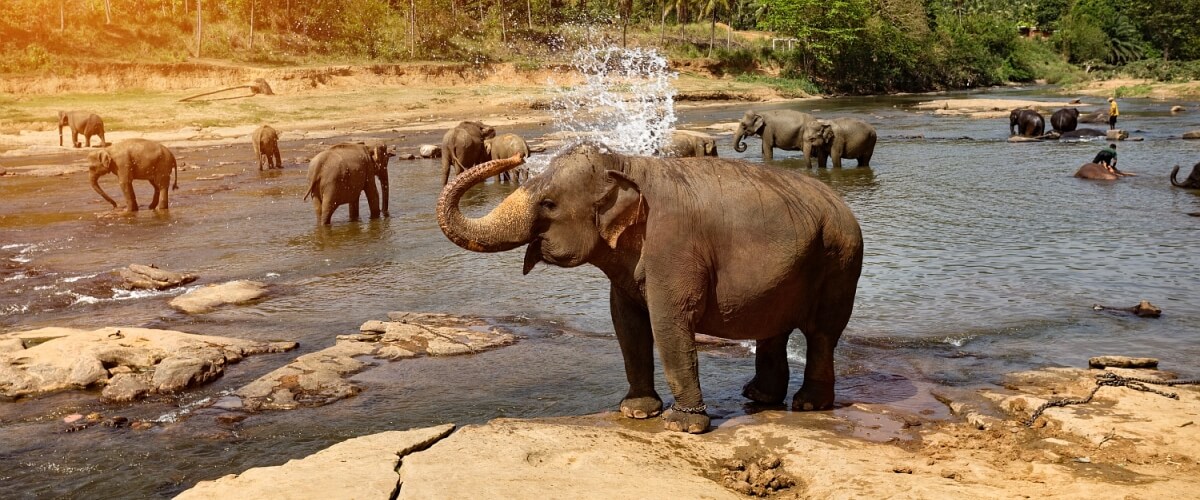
point(81, 122)
point(266, 147)
point(727, 275)
point(462, 147)
point(1065, 120)
point(1026, 123)
point(840, 138)
point(338, 175)
point(135, 159)
point(685, 143)
point(781, 129)
point(505, 146)
point(1192, 181)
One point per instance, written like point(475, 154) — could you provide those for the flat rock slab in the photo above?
point(128, 363)
point(363, 467)
point(208, 298)
point(142, 277)
point(320, 378)
point(1122, 362)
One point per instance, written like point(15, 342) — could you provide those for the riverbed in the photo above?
point(982, 257)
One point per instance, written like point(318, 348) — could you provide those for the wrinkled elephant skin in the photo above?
point(685, 144)
point(338, 176)
point(727, 276)
point(135, 159)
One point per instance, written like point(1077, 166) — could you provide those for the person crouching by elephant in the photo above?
point(81, 122)
point(462, 147)
point(135, 159)
point(1108, 158)
point(266, 147)
point(838, 138)
point(506, 146)
point(1026, 123)
point(339, 175)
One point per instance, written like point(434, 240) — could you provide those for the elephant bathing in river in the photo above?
point(1098, 172)
point(743, 268)
point(505, 146)
point(840, 138)
point(1065, 120)
point(338, 175)
point(685, 143)
point(134, 159)
point(266, 147)
point(462, 147)
point(81, 122)
point(1192, 181)
point(1026, 122)
point(781, 129)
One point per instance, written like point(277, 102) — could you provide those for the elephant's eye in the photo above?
point(548, 204)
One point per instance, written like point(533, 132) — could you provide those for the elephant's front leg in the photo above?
point(674, 311)
point(632, 325)
point(354, 206)
point(770, 382)
point(768, 149)
point(154, 199)
point(372, 198)
point(130, 198)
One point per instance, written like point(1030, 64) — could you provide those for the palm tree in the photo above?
point(710, 8)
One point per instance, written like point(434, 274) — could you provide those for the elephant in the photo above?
point(840, 137)
point(1082, 133)
point(1097, 172)
point(379, 152)
point(779, 129)
point(1065, 120)
point(687, 143)
point(81, 122)
point(1192, 181)
point(743, 268)
point(505, 146)
point(338, 175)
point(266, 146)
point(462, 147)
point(134, 159)
point(1094, 117)
point(1026, 122)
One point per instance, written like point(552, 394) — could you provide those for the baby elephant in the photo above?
point(687, 144)
point(506, 146)
point(81, 122)
point(135, 159)
point(839, 138)
point(338, 175)
point(1192, 181)
point(266, 147)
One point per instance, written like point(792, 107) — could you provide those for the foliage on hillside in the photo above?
point(853, 46)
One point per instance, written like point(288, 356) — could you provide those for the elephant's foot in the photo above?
point(813, 396)
point(640, 408)
point(763, 393)
point(691, 423)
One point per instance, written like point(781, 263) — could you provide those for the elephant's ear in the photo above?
point(106, 161)
point(827, 131)
point(621, 207)
point(757, 124)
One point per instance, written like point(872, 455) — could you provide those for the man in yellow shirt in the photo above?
point(1113, 112)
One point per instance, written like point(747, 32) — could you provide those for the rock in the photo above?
point(1192, 134)
point(1143, 309)
point(72, 418)
point(141, 361)
point(363, 467)
point(141, 425)
point(208, 298)
point(1116, 135)
point(1122, 362)
point(1018, 138)
point(430, 151)
point(142, 277)
point(406, 156)
point(1177, 109)
point(319, 378)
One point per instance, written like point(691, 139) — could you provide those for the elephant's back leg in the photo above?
point(829, 310)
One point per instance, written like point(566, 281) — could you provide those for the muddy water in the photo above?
point(982, 257)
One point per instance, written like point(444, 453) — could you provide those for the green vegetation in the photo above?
point(839, 46)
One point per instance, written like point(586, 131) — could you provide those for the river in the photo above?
point(982, 257)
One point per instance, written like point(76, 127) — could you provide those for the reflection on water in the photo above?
point(981, 257)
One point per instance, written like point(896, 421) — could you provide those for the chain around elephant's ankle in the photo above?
point(700, 409)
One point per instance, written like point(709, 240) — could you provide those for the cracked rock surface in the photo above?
point(208, 298)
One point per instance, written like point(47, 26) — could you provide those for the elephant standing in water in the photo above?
point(462, 147)
point(379, 152)
point(338, 175)
point(1026, 123)
point(838, 138)
point(135, 159)
point(505, 146)
point(781, 129)
point(1064, 120)
point(81, 122)
point(685, 143)
point(1192, 181)
point(266, 146)
point(741, 270)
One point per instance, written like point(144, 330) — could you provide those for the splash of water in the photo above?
point(626, 100)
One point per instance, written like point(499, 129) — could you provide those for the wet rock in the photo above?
point(1122, 362)
point(208, 298)
point(1192, 134)
point(1177, 109)
point(1143, 309)
point(320, 378)
point(406, 156)
point(141, 277)
point(116, 422)
point(141, 425)
point(430, 151)
point(1018, 138)
point(364, 466)
point(127, 362)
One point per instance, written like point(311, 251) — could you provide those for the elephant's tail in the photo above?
point(1173, 181)
point(312, 190)
point(175, 167)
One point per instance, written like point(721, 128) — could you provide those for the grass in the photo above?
point(787, 87)
point(1139, 90)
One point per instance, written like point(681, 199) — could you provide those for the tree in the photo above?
point(709, 8)
point(1170, 24)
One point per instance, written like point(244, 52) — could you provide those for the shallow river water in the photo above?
point(982, 257)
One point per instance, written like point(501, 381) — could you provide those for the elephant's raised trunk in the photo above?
point(1173, 172)
point(508, 226)
point(738, 145)
point(96, 186)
